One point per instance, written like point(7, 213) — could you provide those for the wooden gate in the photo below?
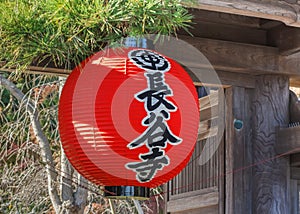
point(199, 188)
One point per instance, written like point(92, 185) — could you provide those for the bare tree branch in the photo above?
point(66, 179)
point(81, 194)
point(42, 139)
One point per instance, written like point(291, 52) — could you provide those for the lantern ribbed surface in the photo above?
point(128, 117)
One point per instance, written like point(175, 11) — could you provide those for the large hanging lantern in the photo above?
point(128, 117)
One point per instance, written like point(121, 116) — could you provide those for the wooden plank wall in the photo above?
point(229, 163)
point(238, 151)
point(242, 150)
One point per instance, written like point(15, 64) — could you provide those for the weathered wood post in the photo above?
point(270, 110)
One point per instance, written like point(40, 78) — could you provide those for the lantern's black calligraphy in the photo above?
point(149, 60)
point(158, 134)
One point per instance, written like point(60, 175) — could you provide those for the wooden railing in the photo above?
point(195, 176)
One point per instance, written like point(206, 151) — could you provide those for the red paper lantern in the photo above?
point(128, 117)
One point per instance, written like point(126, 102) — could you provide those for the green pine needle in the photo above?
point(64, 32)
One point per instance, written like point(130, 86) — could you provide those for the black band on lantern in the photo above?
point(125, 192)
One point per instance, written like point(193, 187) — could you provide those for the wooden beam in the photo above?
point(236, 79)
point(288, 140)
point(239, 58)
point(230, 33)
point(228, 56)
point(284, 10)
point(226, 78)
point(194, 200)
point(41, 70)
point(287, 39)
point(269, 24)
point(290, 65)
point(193, 193)
point(222, 26)
point(224, 18)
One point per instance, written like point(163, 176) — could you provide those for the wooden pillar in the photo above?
point(270, 110)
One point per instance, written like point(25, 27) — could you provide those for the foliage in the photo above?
point(59, 33)
point(23, 182)
point(23, 190)
point(66, 32)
